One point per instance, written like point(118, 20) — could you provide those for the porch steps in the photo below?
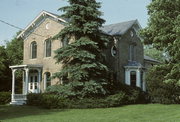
point(18, 102)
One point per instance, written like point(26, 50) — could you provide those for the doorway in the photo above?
point(33, 83)
point(133, 78)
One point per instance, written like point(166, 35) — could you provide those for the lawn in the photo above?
point(130, 113)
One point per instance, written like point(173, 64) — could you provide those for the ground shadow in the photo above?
point(10, 112)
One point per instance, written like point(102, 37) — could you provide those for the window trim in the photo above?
point(113, 48)
point(45, 48)
point(32, 55)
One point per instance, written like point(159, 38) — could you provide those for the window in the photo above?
point(33, 50)
point(65, 41)
point(48, 79)
point(131, 52)
point(113, 51)
point(48, 48)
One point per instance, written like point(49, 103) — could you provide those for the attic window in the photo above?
point(48, 25)
point(113, 51)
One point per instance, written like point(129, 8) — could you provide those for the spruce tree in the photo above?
point(83, 58)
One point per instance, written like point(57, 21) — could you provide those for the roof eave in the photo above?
point(42, 13)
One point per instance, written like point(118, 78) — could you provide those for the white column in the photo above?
point(13, 84)
point(26, 81)
point(144, 81)
point(45, 80)
point(138, 78)
point(39, 79)
point(23, 89)
point(127, 77)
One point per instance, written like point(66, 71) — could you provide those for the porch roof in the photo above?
point(26, 66)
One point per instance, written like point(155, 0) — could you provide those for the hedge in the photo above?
point(5, 97)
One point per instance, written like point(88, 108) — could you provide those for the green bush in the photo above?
point(46, 100)
point(78, 90)
point(117, 99)
point(159, 91)
point(5, 97)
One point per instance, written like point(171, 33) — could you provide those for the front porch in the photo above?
point(30, 82)
point(135, 75)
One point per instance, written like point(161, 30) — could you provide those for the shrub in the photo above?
point(5, 97)
point(159, 91)
point(46, 100)
point(78, 90)
point(117, 99)
point(34, 99)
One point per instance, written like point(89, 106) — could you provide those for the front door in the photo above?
point(33, 83)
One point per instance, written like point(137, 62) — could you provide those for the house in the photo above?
point(125, 56)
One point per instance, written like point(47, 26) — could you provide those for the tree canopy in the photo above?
point(11, 54)
point(82, 58)
point(163, 32)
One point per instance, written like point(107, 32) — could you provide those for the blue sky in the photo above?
point(22, 12)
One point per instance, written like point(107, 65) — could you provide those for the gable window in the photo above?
point(48, 48)
point(131, 52)
point(33, 50)
point(113, 51)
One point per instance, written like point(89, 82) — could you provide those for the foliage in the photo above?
point(46, 100)
point(82, 58)
point(5, 97)
point(159, 91)
point(14, 50)
point(91, 95)
point(11, 55)
point(4, 70)
point(78, 90)
point(163, 32)
point(118, 99)
point(154, 53)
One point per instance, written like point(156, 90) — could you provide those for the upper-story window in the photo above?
point(33, 50)
point(65, 41)
point(131, 52)
point(48, 48)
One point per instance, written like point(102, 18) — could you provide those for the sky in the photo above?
point(21, 12)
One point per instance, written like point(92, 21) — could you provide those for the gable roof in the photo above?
point(37, 20)
point(119, 28)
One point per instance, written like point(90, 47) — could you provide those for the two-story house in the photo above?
point(125, 56)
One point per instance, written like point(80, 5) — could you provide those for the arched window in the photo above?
point(48, 48)
point(47, 79)
point(113, 51)
point(33, 50)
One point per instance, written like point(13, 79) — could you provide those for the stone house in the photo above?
point(125, 56)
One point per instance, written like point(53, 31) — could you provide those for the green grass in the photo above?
point(131, 113)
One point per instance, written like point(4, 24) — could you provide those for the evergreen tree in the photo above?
point(82, 58)
point(163, 32)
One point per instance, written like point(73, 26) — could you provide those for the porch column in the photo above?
point(26, 81)
point(39, 79)
point(127, 77)
point(23, 90)
point(45, 80)
point(138, 78)
point(13, 84)
point(144, 81)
